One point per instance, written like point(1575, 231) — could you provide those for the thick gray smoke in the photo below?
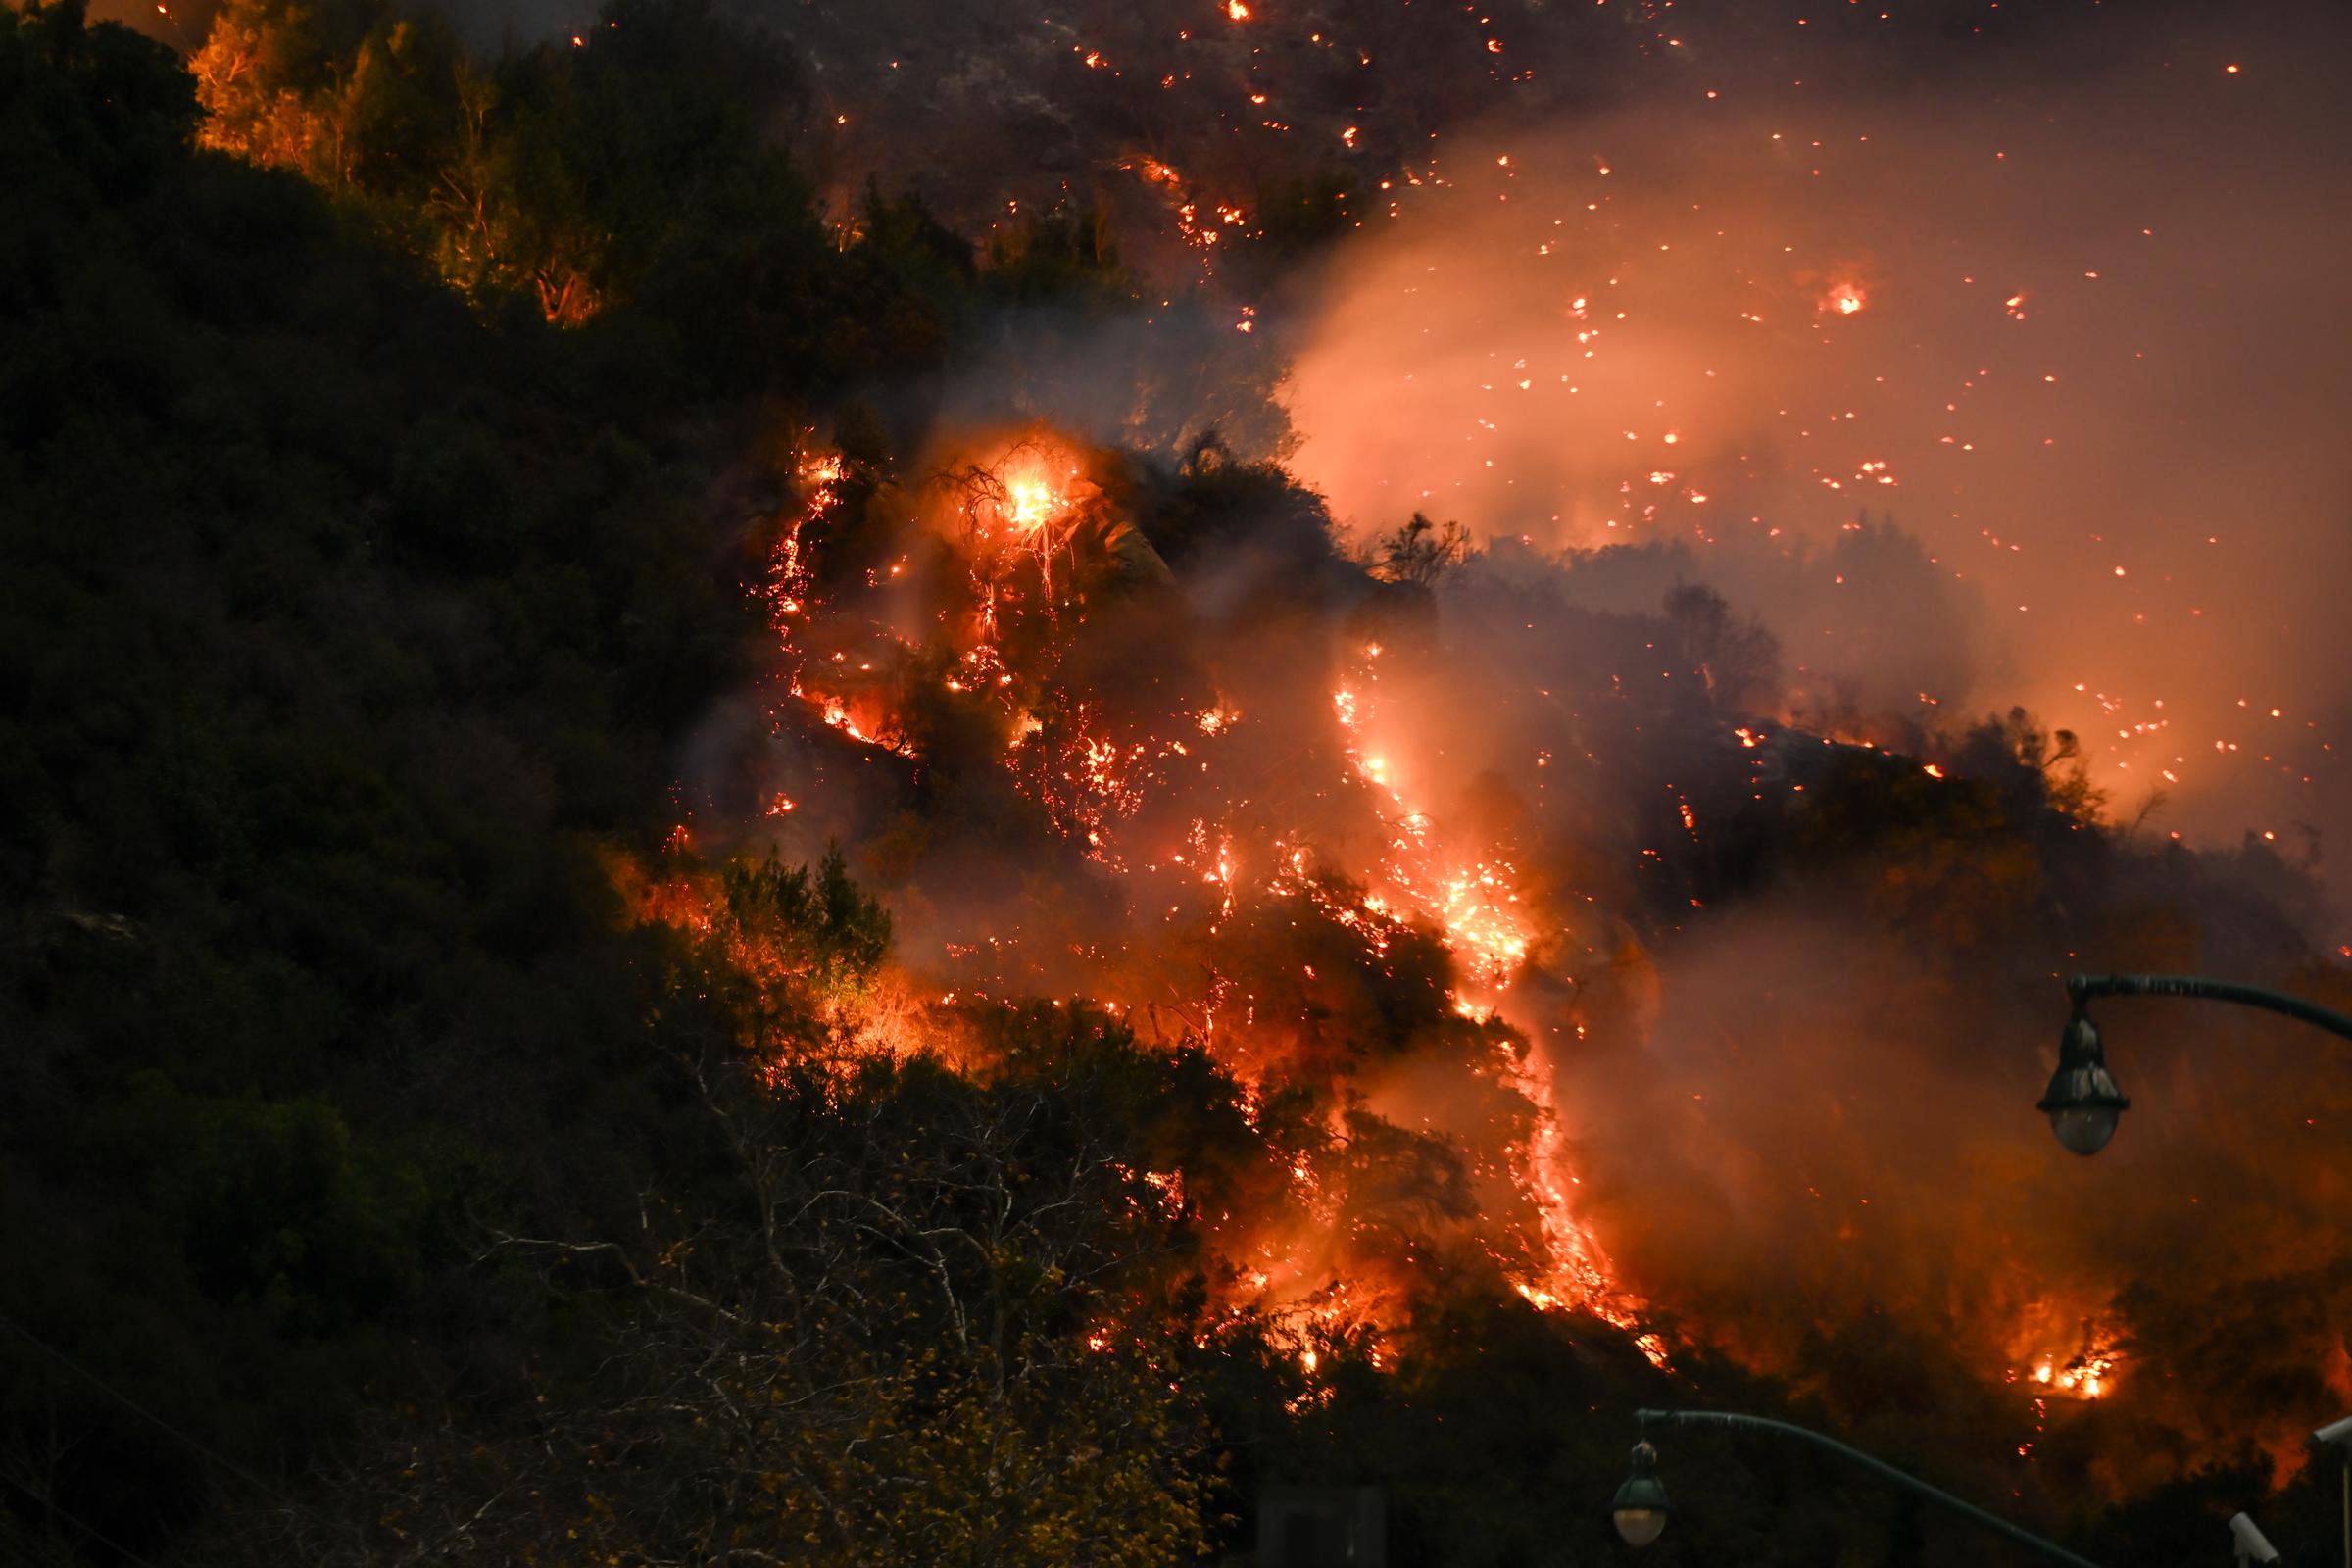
point(1825, 1156)
point(2082, 337)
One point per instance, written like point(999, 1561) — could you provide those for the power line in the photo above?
point(225, 1463)
point(86, 1527)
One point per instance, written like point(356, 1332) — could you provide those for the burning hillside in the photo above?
point(1202, 826)
point(1390, 838)
point(944, 782)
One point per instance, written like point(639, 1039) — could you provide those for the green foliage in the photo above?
point(1062, 255)
point(340, 624)
point(1939, 853)
point(1952, 857)
point(945, 1324)
point(271, 1201)
point(631, 169)
point(790, 951)
point(332, 622)
point(90, 114)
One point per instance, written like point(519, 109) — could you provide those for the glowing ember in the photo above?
point(2085, 1371)
point(1033, 504)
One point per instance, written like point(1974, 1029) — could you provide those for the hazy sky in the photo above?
point(2085, 337)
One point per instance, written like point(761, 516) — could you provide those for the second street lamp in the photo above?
point(2084, 1102)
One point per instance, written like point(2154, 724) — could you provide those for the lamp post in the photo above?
point(2084, 1102)
point(2252, 1545)
point(1640, 1507)
point(2339, 1435)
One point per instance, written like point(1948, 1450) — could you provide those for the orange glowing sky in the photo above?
point(2087, 346)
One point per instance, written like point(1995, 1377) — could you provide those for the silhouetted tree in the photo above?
point(1420, 553)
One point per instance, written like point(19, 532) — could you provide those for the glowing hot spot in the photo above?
point(1033, 505)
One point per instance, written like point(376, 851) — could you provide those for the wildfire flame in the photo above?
point(2084, 1370)
point(1033, 504)
point(1017, 539)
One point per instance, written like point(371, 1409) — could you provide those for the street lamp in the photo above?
point(2339, 1434)
point(1639, 1508)
point(2255, 1547)
point(1641, 1503)
point(2084, 1102)
point(2251, 1543)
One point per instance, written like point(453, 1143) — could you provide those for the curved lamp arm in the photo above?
point(2083, 986)
point(1900, 1479)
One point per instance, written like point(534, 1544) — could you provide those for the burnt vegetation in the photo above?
point(412, 1151)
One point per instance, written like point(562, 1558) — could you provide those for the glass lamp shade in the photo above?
point(2085, 1129)
point(2084, 1102)
point(1640, 1507)
point(1641, 1525)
